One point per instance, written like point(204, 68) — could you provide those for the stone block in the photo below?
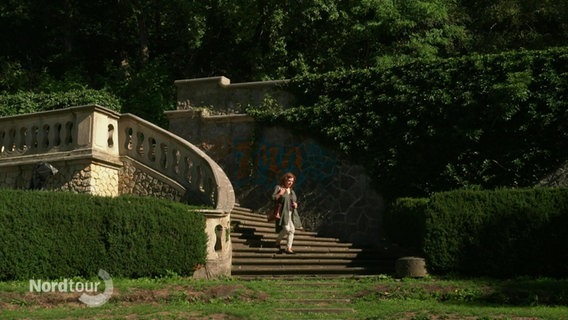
point(413, 267)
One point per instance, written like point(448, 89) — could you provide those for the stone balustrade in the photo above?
point(33, 136)
point(85, 131)
point(204, 181)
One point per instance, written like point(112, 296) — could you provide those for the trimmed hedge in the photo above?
point(502, 233)
point(58, 234)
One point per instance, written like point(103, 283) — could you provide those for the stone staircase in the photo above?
point(255, 255)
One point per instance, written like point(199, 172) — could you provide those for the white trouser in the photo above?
point(288, 230)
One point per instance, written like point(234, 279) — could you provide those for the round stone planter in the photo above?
point(413, 267)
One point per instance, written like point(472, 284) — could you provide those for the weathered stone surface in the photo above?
point(413, 267)
point(558, 178)
point(333, 193)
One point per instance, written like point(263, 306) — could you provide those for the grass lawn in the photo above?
point(379, 297)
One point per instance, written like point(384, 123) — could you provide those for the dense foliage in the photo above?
point(48, 235)
point(30, 102)
point(135, 49)
point(432, 125)
point(502, 233)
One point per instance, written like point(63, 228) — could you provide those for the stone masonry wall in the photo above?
point(135, 180)
point(335, 196)
point(92, 178)
point(74, 176)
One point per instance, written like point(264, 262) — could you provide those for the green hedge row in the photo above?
point(502, 233)
point(56, 234)
point(30, 102)
point(436, 125)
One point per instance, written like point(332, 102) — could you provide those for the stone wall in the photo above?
point(336, 197)
point(74, 176)
point(558, 178)
point(138, 180)
point(227, 98)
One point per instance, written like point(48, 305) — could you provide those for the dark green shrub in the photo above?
point(57, 234)
point(499, 233)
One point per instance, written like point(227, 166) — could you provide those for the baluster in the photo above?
point(165, 160)
point(110, 133)
point(214, 193)
point(52, 136)
point(30, 139)
point(190, 171)
point(175, 159)
point(34, 137)
point(68, 133)
point(11, 140)
point(57, 135)
point(152, 149)
point(208, 188)
point(21, 140)
point(128, 143)
point(200, 178)
point(45, 137)
point(140, 144)
point(2, 141)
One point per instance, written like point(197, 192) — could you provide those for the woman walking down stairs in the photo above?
point(255, 255)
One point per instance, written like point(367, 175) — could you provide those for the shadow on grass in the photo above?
point(516, 292)
point(527, 292)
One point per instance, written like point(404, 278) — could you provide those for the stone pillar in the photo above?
point(219, 248)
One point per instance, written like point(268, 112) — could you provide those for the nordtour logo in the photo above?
point(89, 289)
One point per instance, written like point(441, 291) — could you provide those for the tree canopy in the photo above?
point(136, 48)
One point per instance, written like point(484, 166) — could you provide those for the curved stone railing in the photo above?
point(86, 131)
point(177, 159)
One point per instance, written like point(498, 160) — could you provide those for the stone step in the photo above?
point(255, 255)
point(268, 255)
point(262, 227)
point(254, 219)
point(289, 261)
point(260, 243)
point(299, 269)
point(270, 248)
point(313, 263)
point(272, 236)
point(270, 231)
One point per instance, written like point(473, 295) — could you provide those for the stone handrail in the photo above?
point(70, 130)
point(166, 153)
